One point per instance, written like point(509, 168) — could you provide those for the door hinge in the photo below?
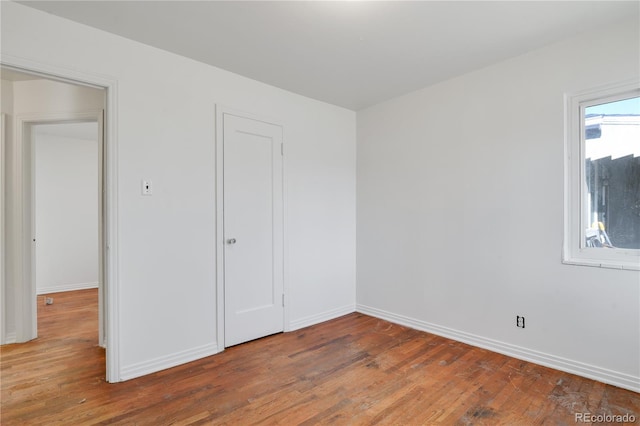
point(282, 149)
point(282, 299)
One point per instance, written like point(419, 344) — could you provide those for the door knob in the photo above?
point(231, 241)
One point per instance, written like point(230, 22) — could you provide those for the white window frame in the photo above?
point(575, 223)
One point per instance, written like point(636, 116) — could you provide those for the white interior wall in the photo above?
point(460, 213)
point(6, 93)
point(33, 97)
point(66, 214)
point(166, 133)
point(441, 219)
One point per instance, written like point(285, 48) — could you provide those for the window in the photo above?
point(602, 177)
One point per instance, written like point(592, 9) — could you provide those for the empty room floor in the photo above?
point(354, 370)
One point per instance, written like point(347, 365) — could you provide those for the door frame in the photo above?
point(220, 111)
point(3, 129)
point(25, 145)
point(110, 207)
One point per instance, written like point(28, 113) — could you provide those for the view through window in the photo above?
point(611, 190)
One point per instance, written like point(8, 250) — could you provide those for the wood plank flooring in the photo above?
point(355, 370)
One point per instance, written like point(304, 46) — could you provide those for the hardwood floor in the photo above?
point(354, 370)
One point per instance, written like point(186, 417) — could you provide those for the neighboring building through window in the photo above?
point(602, 211)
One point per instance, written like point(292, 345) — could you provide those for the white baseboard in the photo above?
point(321, 317)
point(167, 361)
point(604, 375)
point(162, 363)
point(10, 338)
point(65, 287)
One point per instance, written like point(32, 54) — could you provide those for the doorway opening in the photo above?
point(66, 221)
point(66, 206)
point(56, 199)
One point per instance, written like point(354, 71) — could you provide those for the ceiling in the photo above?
point(350, 53)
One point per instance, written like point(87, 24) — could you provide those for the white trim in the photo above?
point(219, 237)
point(604, 375)
point(220, 110)
point(288, 300)
point(3, 129)
point(102, 326)
point(162, 363)
point(572, 251)
point(10, 338)
point(112, 285)
point(321, 317)
point(66, 287)
point(26, 291)
point(600, 264)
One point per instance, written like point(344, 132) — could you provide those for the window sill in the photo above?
point(627, 266)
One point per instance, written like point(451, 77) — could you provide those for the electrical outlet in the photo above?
point(519, 321)
point(147, 188)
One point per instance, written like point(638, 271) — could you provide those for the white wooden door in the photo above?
point(253, 229)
